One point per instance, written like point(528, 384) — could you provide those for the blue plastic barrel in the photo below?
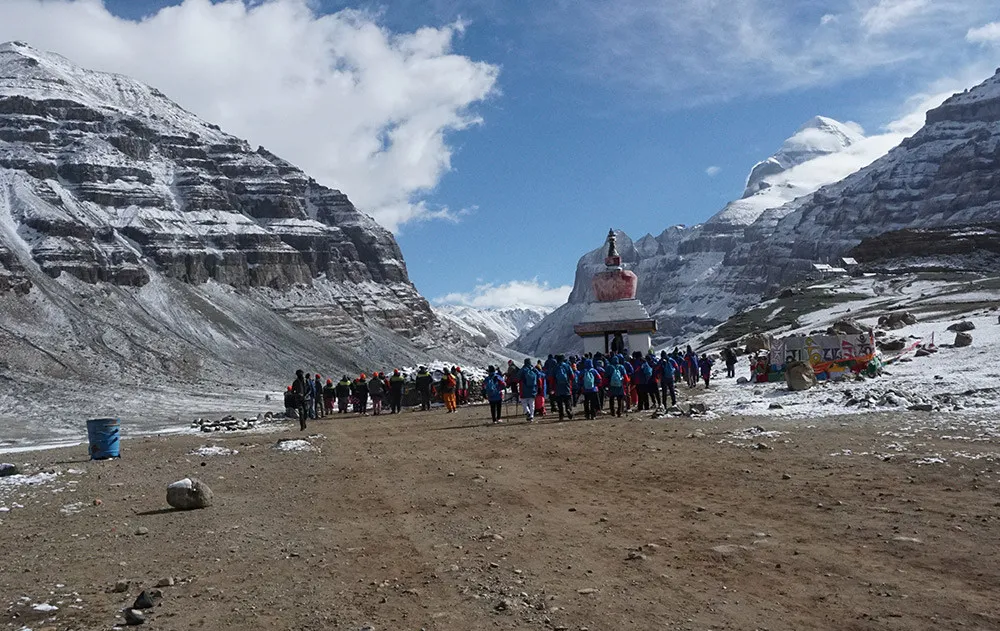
point(102, 433)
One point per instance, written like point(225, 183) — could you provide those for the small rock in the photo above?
point(635, 556)
point(587, 590)
point(964, 325)
point(775, 406)
point(145, 600)
point(189, 494)
point(962, 339)
point(742, 380)
point(142, 530)
point(165, 582)
point(923, 352)
point(134, 618)
point(761, 446)
point(121, 587)
point(785, 476)
point(921, 407)
point(8, 469)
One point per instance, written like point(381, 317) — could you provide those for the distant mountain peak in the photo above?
point(819, 136)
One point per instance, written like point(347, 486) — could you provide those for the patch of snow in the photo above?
point(295, 444)
point(186, 483)
point(213, 450)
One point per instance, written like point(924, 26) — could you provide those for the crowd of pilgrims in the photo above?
point(619, 382)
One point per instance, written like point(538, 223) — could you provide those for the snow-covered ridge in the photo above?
point(500, 325)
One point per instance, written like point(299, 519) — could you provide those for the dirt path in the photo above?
point(434, 521)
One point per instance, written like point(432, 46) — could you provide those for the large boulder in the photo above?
point(896, 344)
point(757, 342)
point(799, 375)
point(963, 339)
point(897, 320)
point(847, 326)
point(964, 325)
point(189, 494)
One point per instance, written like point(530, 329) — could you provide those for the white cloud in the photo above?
point(692, 51)
point(356, 106)
point(887, 15)
point(712, 171)
point(985, 34)
point(516, 293)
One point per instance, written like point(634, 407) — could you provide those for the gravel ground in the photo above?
point(437, 521)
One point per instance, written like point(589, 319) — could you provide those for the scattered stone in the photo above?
point(189, 494)
point(120, 587)
point(761, 446)
point(775, 406)
point(962, 339)
point(964, 325)
point(7, 469)
point(921, 407)
point(635, 555)
point(846, 326)
point(742, 380)
point(144, 601)
point(895, 344)
point(165, 582)
point(698, 433)
point(785, 476)
point(586, 590)
point(907, 539)
point(142, 530)
point(134, 618)
point(923, 352)
point(800, 375)
point(896, 320)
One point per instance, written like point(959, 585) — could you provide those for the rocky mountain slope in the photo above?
point(694, 278)
point(492, 326)
point(140, 243)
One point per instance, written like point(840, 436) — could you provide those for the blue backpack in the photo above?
point(647, 372)
point(562, 374)
point(616, 377)
point(492, 388)
point(588, 380)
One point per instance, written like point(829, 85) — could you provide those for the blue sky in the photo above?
point(553, 121)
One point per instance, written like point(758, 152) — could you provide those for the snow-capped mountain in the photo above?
point(674, 266)
point(492, 326)
point(134, 235)
point(690, 279)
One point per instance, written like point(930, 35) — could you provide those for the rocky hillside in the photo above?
point(945, 175)
point(137, 239)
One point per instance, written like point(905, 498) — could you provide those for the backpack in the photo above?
point(588, 380)
point(616, 377)
point(449, 380)
point(562, 375)
point(492, 388)
point(647, 372)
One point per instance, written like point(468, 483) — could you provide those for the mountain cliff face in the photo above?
point(133, 234)
point(947, 174)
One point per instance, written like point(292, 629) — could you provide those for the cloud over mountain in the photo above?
point(359, 107)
